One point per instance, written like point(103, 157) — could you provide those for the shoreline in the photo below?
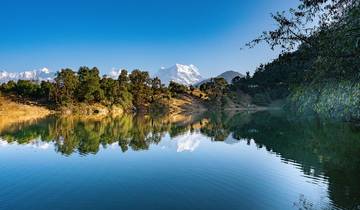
point(180, 109)
point(13, 112)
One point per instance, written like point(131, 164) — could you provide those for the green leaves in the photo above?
point(215, 89)
point(89, 89)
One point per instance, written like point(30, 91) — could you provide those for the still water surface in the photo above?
point(216, 161)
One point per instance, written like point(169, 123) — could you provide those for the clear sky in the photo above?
point(145, 34)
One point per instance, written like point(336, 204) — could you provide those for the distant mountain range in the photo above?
point(36, 75)
point(189, 75)
point(183, 74)
point(228, 76)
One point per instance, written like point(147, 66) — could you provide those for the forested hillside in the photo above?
point(85, 92)
point(318, 70)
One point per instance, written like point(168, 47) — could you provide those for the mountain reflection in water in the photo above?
point(327, 151)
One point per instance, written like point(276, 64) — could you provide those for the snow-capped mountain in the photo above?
point(36, 75)
point(183, 74)
point(115, 73)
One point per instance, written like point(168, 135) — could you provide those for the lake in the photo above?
point(214, 161)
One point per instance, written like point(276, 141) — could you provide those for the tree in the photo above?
point(247, 77)
point(8, 87)
point(215, 89)
point(66, 84)
point(140, 88)
point(330, 28)
point(27, 88)
point(123, 79)
point(159, 102)
point(125, 97)
point(301, 25)
point(156, 89)
point(177, 88)
point(111, 90)
point(89, 89)
point(46, 90)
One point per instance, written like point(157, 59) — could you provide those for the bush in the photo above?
point(176, 88)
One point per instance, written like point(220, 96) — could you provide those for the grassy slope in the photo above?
point(186, 103)
point(13, 112)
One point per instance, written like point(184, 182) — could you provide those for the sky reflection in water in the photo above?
point(215, 161)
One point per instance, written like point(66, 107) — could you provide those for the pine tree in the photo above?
point(66, 84)
point(89, 88)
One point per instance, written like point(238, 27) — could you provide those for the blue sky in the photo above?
point(135, 34)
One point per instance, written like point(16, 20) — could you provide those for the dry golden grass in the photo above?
point(186, 104)
point(12, 112)
point(177, 118)
point(198, 93)
point(199, 125)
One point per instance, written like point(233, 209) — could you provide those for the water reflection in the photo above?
point(324, 151)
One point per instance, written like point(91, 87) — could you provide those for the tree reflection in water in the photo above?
point(323, 149)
